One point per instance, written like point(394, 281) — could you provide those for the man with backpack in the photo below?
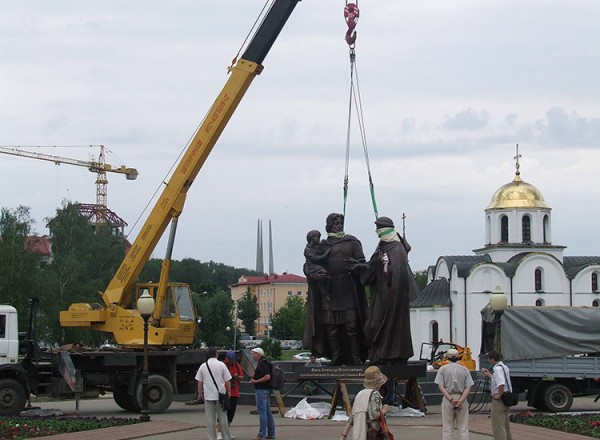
point(261, 379)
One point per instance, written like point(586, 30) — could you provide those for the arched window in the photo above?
point(545, 232)
point(594, 282)
point(526, 228)
point(504, 229)
point(539, 302)
point(539, 286)
point(595, 303)
point(435, 332)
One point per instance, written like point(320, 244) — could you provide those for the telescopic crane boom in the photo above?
point(173, 318)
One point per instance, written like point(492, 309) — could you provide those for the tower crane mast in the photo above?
point(98, 166)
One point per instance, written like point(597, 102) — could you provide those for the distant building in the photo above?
point(40, 245)
point(518, 258)
point(272, 291)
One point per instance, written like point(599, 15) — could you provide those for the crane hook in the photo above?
point(351, 14)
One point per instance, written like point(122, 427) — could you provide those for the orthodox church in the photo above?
point(518, 258)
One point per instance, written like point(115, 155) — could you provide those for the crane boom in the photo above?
point(125, 323)
point(96, 166)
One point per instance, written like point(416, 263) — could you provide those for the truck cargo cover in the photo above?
point(541, 332)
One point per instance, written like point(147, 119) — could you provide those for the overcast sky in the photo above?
point(448, 89)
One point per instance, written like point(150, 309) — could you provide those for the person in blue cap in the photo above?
point(237, 374)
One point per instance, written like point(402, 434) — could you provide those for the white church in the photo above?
point(518, 258)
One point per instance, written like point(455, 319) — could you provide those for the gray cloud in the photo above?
point(467, 119)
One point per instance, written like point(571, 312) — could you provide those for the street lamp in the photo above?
point(498, 302)
point(269, 328)
point(145, 306)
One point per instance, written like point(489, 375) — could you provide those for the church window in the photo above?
point(435, 331)
point(504, 229)
point(545, 231)
point(539, 287)
point(594, 282)
point(539, 302)
point(526, 229)
point(595, 303)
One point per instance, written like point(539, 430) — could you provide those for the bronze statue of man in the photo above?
point(335, 321)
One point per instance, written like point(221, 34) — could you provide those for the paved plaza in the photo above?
point(186, 422)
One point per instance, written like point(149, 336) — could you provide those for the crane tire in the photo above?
point(12, 397)
point(160, 394)
point(125, 400)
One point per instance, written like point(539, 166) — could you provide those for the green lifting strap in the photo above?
point(355, 100)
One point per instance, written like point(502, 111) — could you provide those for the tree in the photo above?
point(215, 311)
point(421, 278)
point(85, 257)
point(21, 266)
point(248, 311)
point(289, 321)
point(272, 348)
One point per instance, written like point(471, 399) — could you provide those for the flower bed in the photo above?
point(17, 428)
point(582, 424)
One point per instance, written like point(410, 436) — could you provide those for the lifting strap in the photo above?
point(351, 14)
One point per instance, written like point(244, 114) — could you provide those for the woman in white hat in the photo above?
point(368, 406)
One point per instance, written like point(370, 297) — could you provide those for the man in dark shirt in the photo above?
point(261, 381)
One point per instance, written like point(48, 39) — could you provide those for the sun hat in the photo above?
point(452, 353)
point(258, 350)
point(374, 378)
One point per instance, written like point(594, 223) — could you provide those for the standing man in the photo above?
point(341, 314)
point(455, 382)
point(261, 381)
point(500, 383)
point(311, 386)
point(213, 378)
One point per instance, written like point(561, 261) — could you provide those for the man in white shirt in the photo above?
point(454, 381)
point(210, 393)
point(500, 383)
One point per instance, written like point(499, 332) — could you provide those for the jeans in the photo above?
point(265, 416)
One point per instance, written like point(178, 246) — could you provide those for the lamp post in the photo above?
point(145, 305)
point(498, 302)
point(235, 318)
point(269, 328)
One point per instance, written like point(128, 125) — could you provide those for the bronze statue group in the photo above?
point(343, 324)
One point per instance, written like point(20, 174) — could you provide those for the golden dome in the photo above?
point(517, 194)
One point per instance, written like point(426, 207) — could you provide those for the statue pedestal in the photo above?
point(408, 372)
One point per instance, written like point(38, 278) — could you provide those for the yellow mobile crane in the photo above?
point(124, 372)
point(174, 321)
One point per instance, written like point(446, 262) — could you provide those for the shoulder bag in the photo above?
point(383, 433)
point(223, 398)
point(508, 397)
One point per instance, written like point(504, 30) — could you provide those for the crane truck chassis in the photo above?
point(26, 369)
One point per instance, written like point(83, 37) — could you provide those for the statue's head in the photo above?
point(384, 222)
point(312, 235)
point(334, 222)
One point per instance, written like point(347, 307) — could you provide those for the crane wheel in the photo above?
point(125, 400)
point(160, 394)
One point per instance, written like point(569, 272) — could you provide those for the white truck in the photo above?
point(553, 353)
